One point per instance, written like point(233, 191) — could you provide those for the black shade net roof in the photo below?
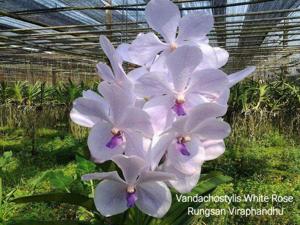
point(42, 37)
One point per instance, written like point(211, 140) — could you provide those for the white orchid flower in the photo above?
point(188, 143)
point(177, 92)
point(140, 187)
point(164, 17)
point(117, 125)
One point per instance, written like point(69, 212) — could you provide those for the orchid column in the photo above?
point(161, 121)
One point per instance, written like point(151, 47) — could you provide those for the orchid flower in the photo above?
point(163, 16)
point(117, 75)
point(184, 182)
point(183, 145)
point(117, 125)
point(183, 88)
point(140, 188)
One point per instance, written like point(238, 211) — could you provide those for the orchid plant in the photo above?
point(162, 121)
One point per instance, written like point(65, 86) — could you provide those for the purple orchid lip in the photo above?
point(182, 148)
point(178, 109)
point(115, 141)
point(131, 198)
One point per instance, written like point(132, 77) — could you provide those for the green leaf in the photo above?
point(57, 179)
point(209, 182)
point(70, 198)
point(1, 192)
point(5, 158)
point(7, 154)
point(84, 166)
point(35, 222)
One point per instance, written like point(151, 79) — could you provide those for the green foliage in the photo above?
point(17, 91)
point(262, 165)
point(277, 96)
point(84, 166)
point(35, 222)
point(67, 93)
point(70, 198)
point(24, 93)
point(57, 179)
point(4, 95)
point(1, 192)
point(262, 157)
point(5, 158)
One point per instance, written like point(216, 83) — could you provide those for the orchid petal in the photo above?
point(203, 112)
point(209, 57)
point(213, 57)
point(179, 124)
point(181, 63)
point(131, 199)
point(163, 16)
point(115, 141)
point(223, 98)
point(222, 56)
point(193, 100)
point(83, 120)
point(105, 72)
point(211, 81)
point(193, 26)
point(115, 61)
point(140, 102)
point(95, 96)
point(184, 183)
point(88, 111)
point(117, 97)
point(187, 164)
point(154, 198)
point(122, 50)
point(131, 166)
point(150, 176)
point(137, 73)
point(213, 149)
point(137, 120)
point(137, 145)
point(153, 84)
point(114, 176)
point(119, 72)
point(107, 47)
point(179, 109)
point(159, 148)
point(159, 110)
point(160, 63)
point(212, 128)
point(203, 39)
point(180, 147)
point(110, 198)
point(144, 49)
point(236, 77)
point(99, 136)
